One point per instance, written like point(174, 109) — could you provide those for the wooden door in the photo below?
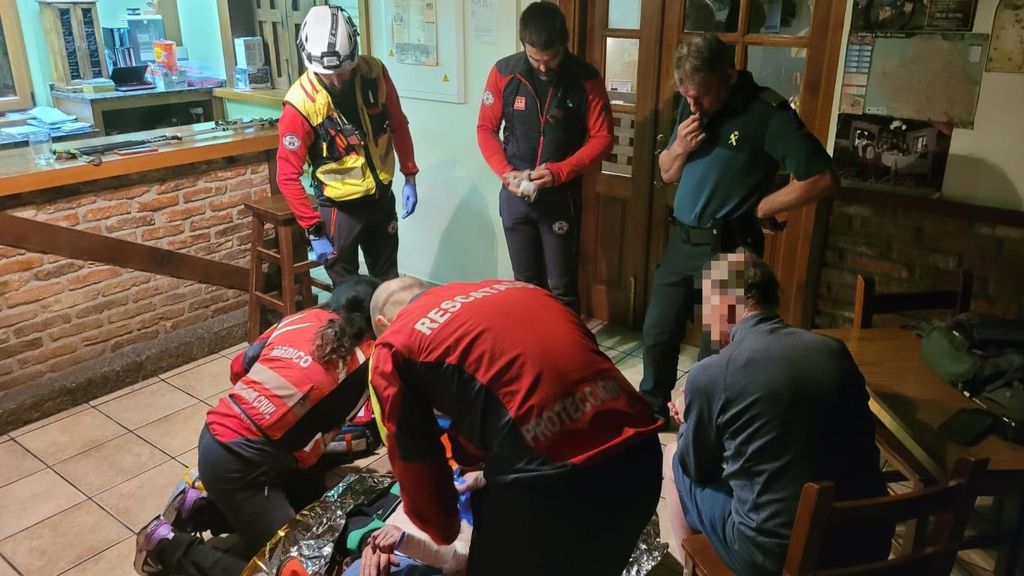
point(74, 40)
point(791, 46)
point(622, 41)
point(90, 41)
point(272, 25)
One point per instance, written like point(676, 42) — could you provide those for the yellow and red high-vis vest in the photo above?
point(349, 176)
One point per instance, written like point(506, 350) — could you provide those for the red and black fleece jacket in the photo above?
point(568, 128)
point(526, 386)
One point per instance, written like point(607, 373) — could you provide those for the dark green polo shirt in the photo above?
point(736, 164)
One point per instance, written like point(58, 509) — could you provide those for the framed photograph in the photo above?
point(889, 153)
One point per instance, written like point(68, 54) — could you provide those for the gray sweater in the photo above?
point(778, 407)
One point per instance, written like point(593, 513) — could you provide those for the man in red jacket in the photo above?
point(344, 118)
point(568, 448)
point(557, 125)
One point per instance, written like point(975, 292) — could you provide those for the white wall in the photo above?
point(455, 233)
point(200, 33)
point(35, 48)
point(985, 163)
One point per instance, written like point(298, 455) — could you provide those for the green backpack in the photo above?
point(984, 359)
point(974, 354)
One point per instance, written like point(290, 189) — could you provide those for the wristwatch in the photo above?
point(315, 231)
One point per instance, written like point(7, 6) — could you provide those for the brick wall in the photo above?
point(62, 320)
point(907, 249)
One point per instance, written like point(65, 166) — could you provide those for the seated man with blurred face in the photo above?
point(778, 407)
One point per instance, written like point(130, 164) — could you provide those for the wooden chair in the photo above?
point(288, 253)
point(868, 302)
point(818, 516)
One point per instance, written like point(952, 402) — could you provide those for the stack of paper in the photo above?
point(21, 132)
point(48, 115)
point(56, 122)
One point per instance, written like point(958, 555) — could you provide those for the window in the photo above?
point(770, 36)
point(15, 84)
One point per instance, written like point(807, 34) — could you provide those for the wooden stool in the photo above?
point(275, 211)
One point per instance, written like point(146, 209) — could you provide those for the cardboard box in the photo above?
point(97, 86)
point(249, 52)
point(256, 77)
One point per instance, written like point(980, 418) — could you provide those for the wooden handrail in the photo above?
point(36, 236)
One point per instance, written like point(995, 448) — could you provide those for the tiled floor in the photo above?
point(75, 487)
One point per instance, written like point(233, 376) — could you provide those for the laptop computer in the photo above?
point(130, 78)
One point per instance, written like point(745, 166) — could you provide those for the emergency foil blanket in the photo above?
point(648, 552)
point(308, 539)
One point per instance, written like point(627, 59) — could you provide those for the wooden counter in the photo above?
point(265, 97)
point(112, 274)
point(19, 173)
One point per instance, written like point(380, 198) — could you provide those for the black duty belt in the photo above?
point(710, 236)
point(724, 234)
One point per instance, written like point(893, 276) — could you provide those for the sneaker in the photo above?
point(146, 540)
point(182, 505)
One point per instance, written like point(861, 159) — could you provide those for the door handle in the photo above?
point(659, 146)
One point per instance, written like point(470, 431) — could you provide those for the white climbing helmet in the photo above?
point(328, 40)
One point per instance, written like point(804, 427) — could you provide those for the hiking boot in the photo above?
point(181, 507)
point(146, 541)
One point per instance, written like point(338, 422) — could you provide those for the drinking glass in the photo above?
point(42, 148)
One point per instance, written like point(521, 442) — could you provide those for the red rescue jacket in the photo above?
point(528, 390)
point(287, 397)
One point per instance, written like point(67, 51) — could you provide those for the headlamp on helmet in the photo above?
point(329, 45)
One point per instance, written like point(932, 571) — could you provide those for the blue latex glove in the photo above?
point(323, 249)
point(408, 199)
point(465, 509)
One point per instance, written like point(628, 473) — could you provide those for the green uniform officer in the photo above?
point(731, 139)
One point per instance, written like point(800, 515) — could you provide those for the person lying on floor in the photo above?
point(402, 549)
point(297, 383)
point(778, 407)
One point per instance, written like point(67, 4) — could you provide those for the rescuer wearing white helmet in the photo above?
point(344, 118)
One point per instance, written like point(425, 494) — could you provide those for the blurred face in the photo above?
point(707, 96)
point(336, 80)
point(545, 62)
point(720, 311)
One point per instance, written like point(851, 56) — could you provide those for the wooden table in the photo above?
point(911, 401)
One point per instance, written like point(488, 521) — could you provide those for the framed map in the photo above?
point(917, 76)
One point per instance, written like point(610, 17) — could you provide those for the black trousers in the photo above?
point(256, 498)
point(583, 521)
point(675, 296)
point(543, 240)
point(370, 224)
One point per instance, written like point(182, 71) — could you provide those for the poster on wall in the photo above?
point(891, 153)
point(414, 32)
point(913, 15)
point(483, 21)
point(920, 76)
point(1007, 52)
